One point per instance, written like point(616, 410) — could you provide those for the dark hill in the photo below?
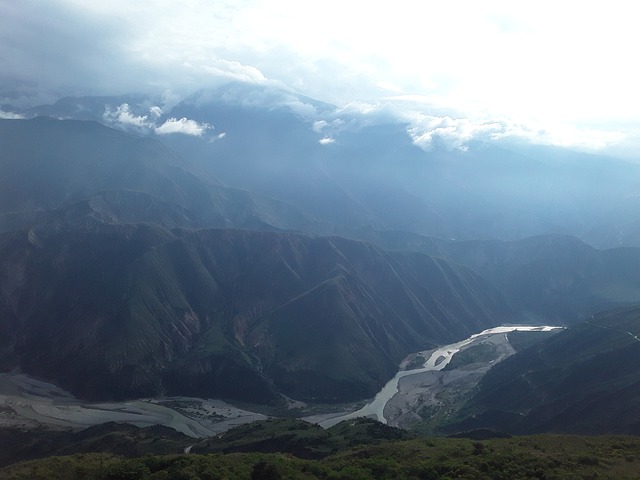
point(294, 437)
point(115, 311)
point(549, 278)
point(583, 380)
point(555, 278)
point(377, 454)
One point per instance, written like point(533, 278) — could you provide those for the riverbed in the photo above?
point(436, 361)
point(26, 402)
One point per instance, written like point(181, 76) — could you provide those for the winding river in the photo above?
point(438, 359)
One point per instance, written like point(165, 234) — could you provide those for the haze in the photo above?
point(551, 73)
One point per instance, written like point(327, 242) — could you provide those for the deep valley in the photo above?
point(185, 283)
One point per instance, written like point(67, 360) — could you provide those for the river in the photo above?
point(438, 359)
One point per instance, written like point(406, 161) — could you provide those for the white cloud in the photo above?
point(234, 70)
point(319, 125)
point(300, 108)
point(456, 133)
point(155, 111)
point(123, 116)
point(534, 63)
point(326, 141)
point(184, 126)
point(10, 115)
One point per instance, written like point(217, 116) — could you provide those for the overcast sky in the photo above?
point(559, 72)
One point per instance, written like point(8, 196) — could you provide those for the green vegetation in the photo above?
point(416, 362)
point(296, 437)
point(143, 311)
point(522, 340)
point(536, 457)
point(581, 380)
point(481, 353)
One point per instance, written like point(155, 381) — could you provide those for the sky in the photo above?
point(553, 72)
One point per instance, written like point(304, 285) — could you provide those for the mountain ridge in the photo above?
point(582, 380)
point(162, 304)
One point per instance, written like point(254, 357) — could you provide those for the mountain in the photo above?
point(555, 278)
point(115, 311)
point(582, 380)
point(49, 164)
point(356, 171)
point(274, 150)
point(135, 264)
point(370, 174)
point(547, 278)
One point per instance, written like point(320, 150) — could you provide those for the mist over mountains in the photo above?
point(246, 243)
point(357, 172)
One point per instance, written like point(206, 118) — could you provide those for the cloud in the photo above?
point(326, 141)
point(319, 125)
point(457, 133)
point(52, 48)
point(428, 131)
point(531, 62)
point(370, 113)
point(183, 126)
point(300, 108)
point(10, 115)
point(155, 111)
point(233, 70)
point(123, 116)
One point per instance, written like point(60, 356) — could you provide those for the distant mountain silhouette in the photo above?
point(48, 164)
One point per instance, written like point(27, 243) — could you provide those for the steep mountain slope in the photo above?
point(549, 278)
point(582, 380)
point(557, 278)
point(47, 164)
point(113, 311)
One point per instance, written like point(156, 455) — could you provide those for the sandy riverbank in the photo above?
point(26, 402)
point(425, 390)
point(412, 396)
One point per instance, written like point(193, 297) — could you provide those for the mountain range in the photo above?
point(357, 173)
point(286, 249)
point(130, 310)
point(103, 293)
